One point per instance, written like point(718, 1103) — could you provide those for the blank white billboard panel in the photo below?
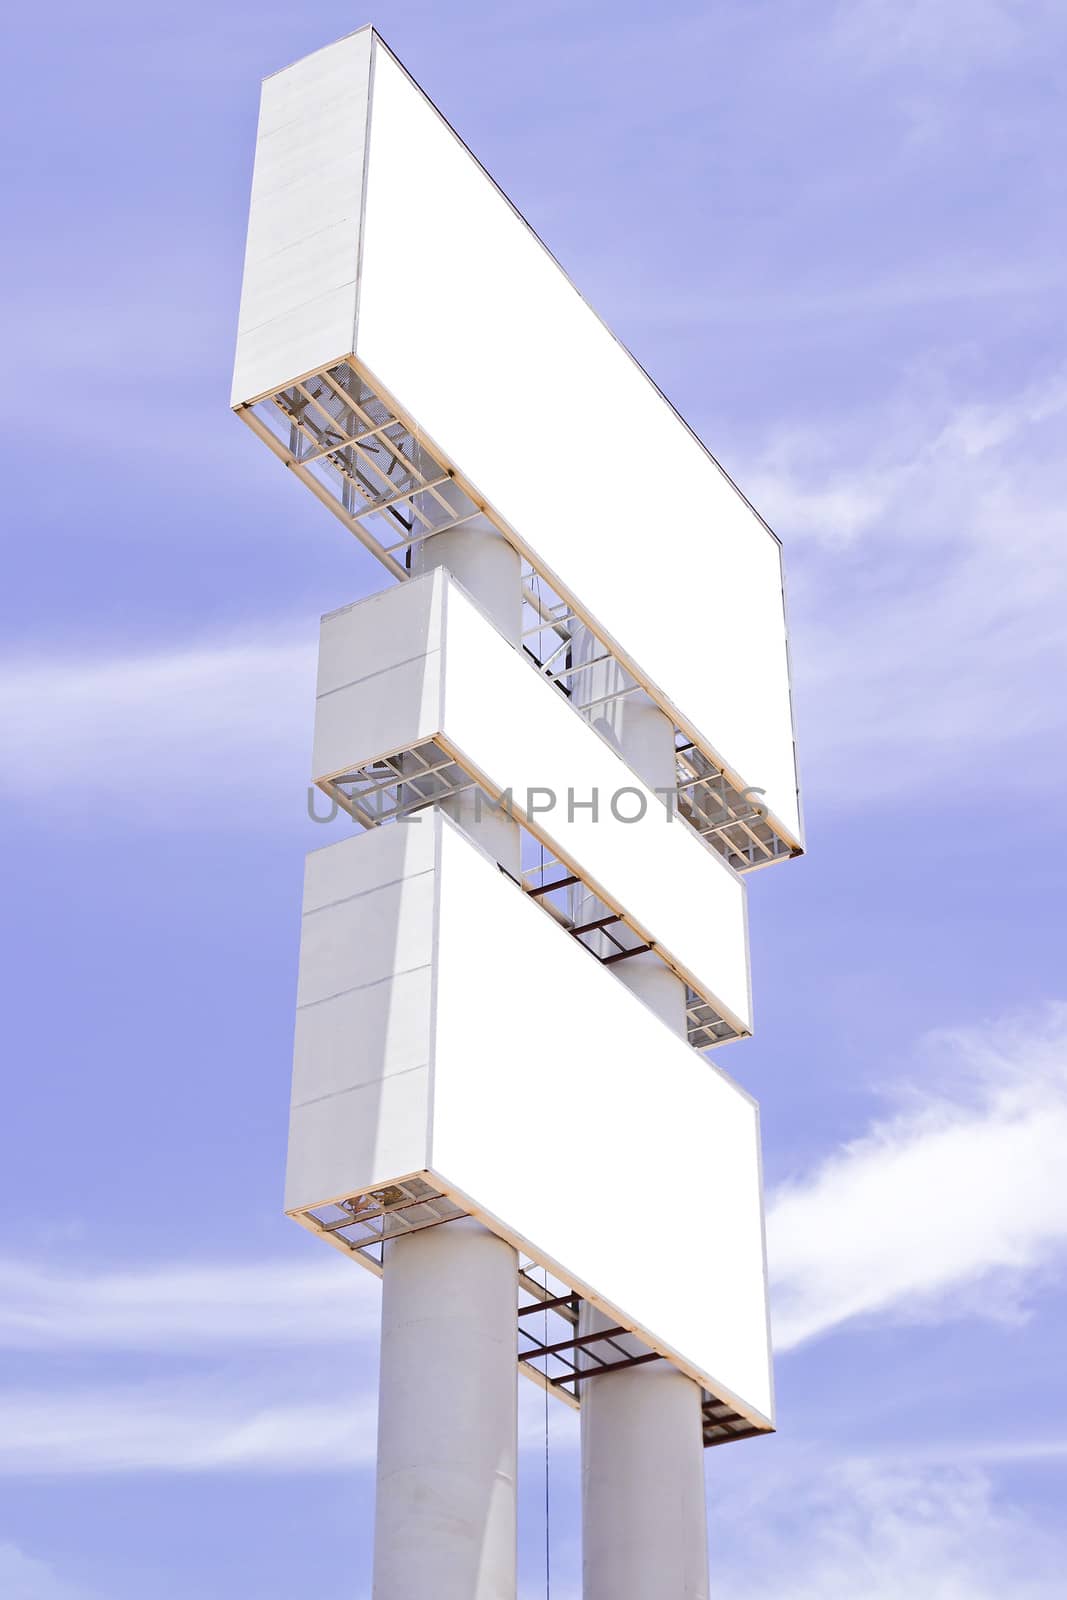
point(509, 372)
point(423, 662)
point(383, 239)
point(625, 1163)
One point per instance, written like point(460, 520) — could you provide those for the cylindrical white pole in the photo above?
point(644, 1521)
point(445, 1512)
point(489, 568)
point(644, 1526)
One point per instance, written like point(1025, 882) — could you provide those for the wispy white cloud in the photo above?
point(293, 1328)
point(951, 37)
point(928, 589)
point(216, 1426)
point(829, 301)
point(993, 1452)
point(910, 460)
point(250, 1303)
point(24, 1577)
point(174, 733)
point(838, 1530)
point(960, 1186)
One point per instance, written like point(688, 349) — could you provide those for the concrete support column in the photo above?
point(644, 1521)
point(489, 568)
point(644, 1525)
point(445, 1513)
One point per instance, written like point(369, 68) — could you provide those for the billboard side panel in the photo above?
point(298, 294)
point(372, 634)
point(377, 715)
point(364, 1015)
point(379, 678)
point(340, 870)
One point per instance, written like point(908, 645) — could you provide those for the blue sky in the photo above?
point(833, 232)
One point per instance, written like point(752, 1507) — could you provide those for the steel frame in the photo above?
point(394, 787)
point(560, 1359)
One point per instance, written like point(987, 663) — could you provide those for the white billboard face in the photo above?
point(512, 382)
point(574, 1155)
point(641, 1113)
point(491, 350)
point(423, 662)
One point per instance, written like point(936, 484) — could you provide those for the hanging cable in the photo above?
point(548, 1524)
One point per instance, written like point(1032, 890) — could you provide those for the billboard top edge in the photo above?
point(378, 40)
point(366, 27)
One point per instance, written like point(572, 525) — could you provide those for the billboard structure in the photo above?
point(566, 737)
